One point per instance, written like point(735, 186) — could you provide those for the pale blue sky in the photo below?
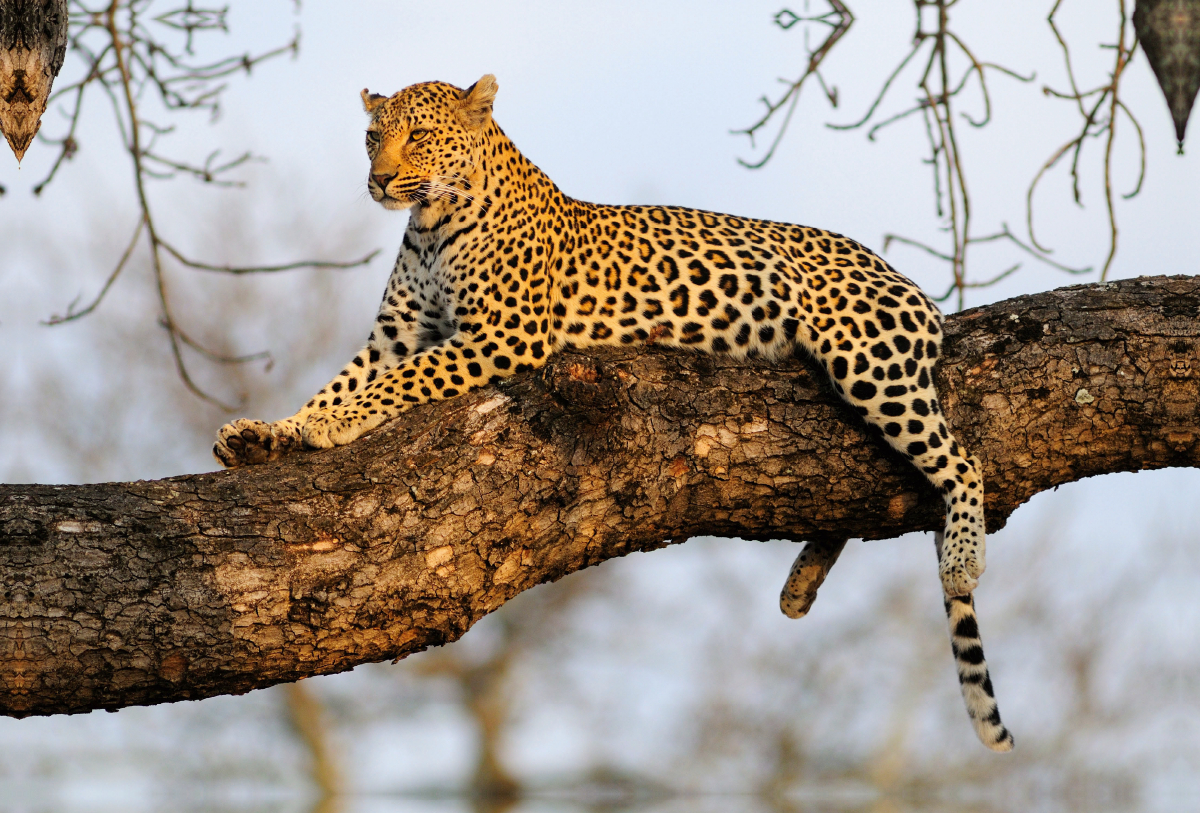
point(620, 102)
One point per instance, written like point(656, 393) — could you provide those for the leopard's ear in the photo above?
point(475, 106)
point(372, 100)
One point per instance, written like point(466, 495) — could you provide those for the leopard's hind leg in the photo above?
point(900, 399)
point(808, 573)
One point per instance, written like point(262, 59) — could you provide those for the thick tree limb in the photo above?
point(134, 593)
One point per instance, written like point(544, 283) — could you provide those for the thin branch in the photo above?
point(882, 92)
point(135, 150)
point(1004, 234)
point(940, 83)
point(130, 64)
point(68, 144)
point(839, 20)
point(208, 173)
point(922, 107)
point(957, 287)
point(888, 239)
point(71, 315)
point(266, 269)
point(1094, 125)
point(219, 358)
point(1123, 57)
point(1062, 43)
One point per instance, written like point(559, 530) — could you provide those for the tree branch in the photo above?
point(134, 593)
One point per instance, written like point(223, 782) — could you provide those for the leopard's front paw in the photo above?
point(324, 430)
point(246, 442)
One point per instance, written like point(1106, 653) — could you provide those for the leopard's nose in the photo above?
point(383, 180)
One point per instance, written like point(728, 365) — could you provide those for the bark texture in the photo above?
point(135, 593)
point(33, 44)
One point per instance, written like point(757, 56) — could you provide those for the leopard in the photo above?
point(498, 268)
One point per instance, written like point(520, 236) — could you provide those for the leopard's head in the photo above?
point(423, 141)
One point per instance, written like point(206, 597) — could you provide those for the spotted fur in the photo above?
point(973, 678)
point(808, 573)
point(498, 268)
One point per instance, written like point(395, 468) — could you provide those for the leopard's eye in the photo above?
point(417, 135)
point(372, 138)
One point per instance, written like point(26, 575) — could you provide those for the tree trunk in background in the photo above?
point(135, 593)
point(33, 44)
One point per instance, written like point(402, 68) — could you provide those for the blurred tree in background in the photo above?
point(615, 685)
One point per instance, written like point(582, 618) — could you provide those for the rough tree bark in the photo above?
point(33, 44)
point(134, 593)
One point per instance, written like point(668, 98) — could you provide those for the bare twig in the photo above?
point(72, 314)
point(1099, 119)
point(943, 80)
point(267, 269)
point(940, 87)
point(130, 61)
point(948, 69)
point(839, 21)
point(220, 358)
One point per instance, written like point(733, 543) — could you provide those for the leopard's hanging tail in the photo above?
point(808, 572)
point(973, 676)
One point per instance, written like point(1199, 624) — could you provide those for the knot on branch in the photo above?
point(584, 383)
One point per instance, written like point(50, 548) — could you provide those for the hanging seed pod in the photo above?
point(33, 42)
point(1169, 31)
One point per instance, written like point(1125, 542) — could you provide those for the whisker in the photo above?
point(446, 182)
point(441, 191)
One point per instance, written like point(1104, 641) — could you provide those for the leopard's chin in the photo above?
point(395, 204)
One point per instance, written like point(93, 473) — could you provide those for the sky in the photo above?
point(619, 102)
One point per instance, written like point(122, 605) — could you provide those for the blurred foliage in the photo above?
point(623, 685)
